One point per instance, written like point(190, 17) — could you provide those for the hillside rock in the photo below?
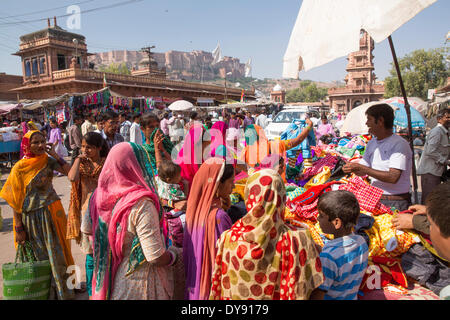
point(195, 65)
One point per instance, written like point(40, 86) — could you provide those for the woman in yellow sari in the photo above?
point(39, 216)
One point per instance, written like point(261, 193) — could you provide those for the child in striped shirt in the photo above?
point(344, 259)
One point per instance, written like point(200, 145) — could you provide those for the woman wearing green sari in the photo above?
point(131, 260)
point(150, 126)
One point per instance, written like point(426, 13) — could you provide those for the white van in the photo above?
point(283, 118)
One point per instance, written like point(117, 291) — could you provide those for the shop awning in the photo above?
point(205, 100)
point(6, 108)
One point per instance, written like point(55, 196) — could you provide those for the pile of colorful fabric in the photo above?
point(353, 147)
point(386, 244)
point(348, 148)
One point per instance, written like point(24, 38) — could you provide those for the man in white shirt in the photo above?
point(435, 155)
point(261, 119)
point(88, 124)
point(124, 126)
point(166, 122)
point(387, 159)
point(135, 130)
point(99, 124)
point(176, 130)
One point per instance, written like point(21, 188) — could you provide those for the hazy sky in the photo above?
point(257, 29)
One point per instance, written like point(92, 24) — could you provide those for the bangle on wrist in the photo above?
point(173, 258)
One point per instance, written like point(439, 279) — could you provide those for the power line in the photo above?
point(4, 45)
point(69, 14)
point(40, 11)
point(9, 38)
point(23, 27)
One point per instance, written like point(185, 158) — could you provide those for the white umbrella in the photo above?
point(355, 121)
point(328, 29)
point(181, 105)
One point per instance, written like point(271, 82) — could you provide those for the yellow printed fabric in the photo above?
point(383, 230)
point(319, 178)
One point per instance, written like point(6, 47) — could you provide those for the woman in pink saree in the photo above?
point(191, 155)
point(131, 260)
point(219, 147)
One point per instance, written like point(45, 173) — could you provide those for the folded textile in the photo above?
point(329, 161)
point(295, 193)
point(367, 195)
point(380, 234)
point(305, 205)
point(391, 272)
point(337, 172)
point(319, 178)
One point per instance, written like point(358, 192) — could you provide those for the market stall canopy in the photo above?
point(181, 105)
point(234, 105)
point(47, 102)
point(205, 100)
point(6, 108)
point(328, 29)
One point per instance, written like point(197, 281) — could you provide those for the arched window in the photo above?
point(42, 66)
point(27, 68)
point(34, 66)
point(356, 103)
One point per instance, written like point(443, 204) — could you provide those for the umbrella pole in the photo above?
point(408, 116)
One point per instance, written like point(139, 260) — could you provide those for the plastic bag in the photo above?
point(61, 150)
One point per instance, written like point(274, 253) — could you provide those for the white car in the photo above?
point(283, 118)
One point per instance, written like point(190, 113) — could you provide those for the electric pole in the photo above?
point(149, 52)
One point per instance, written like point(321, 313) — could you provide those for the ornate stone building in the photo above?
point(55, 62)
point(360, 80)
point(278, 94)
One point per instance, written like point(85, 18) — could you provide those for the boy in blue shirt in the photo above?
point(344, 259)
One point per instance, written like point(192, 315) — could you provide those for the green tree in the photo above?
point(117, 68)
point(306, 92)
point(421, 70)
